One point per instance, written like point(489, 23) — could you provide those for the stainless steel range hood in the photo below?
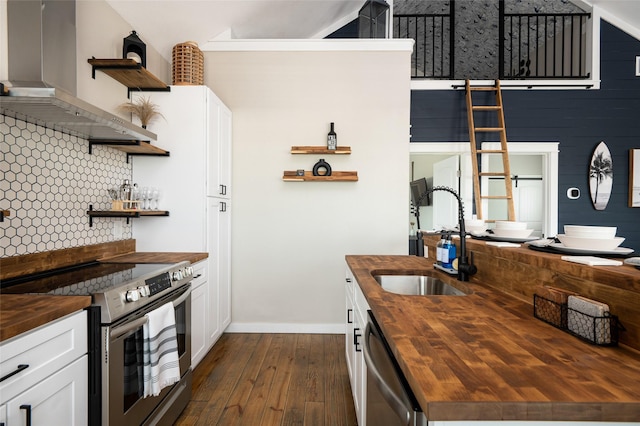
point(42, 75)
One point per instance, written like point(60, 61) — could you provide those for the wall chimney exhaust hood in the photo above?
point(42, 75)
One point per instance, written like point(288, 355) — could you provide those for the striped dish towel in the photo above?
point(161, 366)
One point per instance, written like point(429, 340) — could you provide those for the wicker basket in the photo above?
point(188, 64)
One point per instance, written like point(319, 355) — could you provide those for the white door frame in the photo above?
point(548, 151)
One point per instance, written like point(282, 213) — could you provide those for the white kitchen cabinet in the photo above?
point(219, 181)
point(200, 318)
point(353, 338)
point(51, 374)
point(220, 262)
point(195, 185)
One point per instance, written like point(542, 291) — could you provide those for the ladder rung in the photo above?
point(483, 89)
point(491, 151)
point(496, 197)
point(489, 129)
point(492, 174)
point(486, 108)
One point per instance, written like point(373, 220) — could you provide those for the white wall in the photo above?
point(100, 34)
point(289, 239)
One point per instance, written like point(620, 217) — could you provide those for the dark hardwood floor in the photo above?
point(272, 379)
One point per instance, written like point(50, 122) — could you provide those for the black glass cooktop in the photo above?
point(81, 280)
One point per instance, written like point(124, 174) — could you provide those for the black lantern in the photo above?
point(135, 49)
point(372, 19)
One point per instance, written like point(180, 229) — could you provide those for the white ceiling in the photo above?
point(164, 23)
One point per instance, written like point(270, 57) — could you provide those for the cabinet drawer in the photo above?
point(44, 350)
point(199, 273)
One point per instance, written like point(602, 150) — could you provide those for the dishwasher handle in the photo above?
point(395, 401)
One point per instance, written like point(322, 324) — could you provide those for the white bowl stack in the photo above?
point(590, 237)
point(511, 229)
point(475, 226)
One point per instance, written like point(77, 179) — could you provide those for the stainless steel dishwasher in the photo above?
point(390, 401)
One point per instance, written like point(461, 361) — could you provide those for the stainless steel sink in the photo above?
point(417, 285)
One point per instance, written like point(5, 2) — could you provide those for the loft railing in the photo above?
point(433, 50)
point(530, 46)
point(543, 46)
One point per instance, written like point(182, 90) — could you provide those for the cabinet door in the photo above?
point(213, 146)
point(219, 146)
point(199, 338)
point(224, 264)
point(225, 151)
point(59, 400)
point(214, 207)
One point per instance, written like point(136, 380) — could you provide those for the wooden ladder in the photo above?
point(503, 151)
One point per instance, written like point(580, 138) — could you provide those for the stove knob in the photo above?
point(177, 275)
point(133, 295)
point(144, 291)
point(189, 270)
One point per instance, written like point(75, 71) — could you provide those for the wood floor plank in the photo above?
point(276, 401)
point(237, 401)
point(314, 413)
point(267, 375)
point(295, 405)
point(315, 372)
point(272, 380)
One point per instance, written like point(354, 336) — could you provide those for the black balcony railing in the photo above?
point(531, 46)
point(543, 46)
point(433, 48)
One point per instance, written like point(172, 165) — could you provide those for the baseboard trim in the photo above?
point(285, 328)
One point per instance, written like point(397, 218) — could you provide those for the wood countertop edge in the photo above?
point(156, 257)
point(20, 313)
point(385, 307)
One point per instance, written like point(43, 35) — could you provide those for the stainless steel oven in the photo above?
point(389, 400)
point(123, 294)
point(123, 402)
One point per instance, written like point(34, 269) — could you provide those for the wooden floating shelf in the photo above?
point(123, 213)
point(130, 147)
point(129, 73)
point(291, 176)
point(320, 150)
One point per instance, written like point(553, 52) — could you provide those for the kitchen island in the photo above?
point(484, 356)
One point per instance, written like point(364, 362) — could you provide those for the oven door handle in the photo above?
point(119, 331)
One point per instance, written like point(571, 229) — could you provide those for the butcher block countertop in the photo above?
point(484, 356)
point(23, 312)
point(156, 257)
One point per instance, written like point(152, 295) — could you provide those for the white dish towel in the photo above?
point(161, 365)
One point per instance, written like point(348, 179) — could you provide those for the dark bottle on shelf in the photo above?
point(332, 139)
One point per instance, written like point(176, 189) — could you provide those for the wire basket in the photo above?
point(599, 330)
point(187, 64)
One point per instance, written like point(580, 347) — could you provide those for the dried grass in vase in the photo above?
point(142, 108)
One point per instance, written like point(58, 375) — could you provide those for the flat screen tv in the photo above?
point(418, 188)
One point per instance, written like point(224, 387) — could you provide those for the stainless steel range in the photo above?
point(123, 294)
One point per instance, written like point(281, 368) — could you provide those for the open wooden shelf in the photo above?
point(320, 150)
point(129, 73)
point(123, 213)
point(131, 147)
point(291, 176)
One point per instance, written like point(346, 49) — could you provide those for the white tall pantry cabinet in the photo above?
point(195, 186)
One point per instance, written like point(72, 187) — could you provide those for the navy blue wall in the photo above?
point(578, 119)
